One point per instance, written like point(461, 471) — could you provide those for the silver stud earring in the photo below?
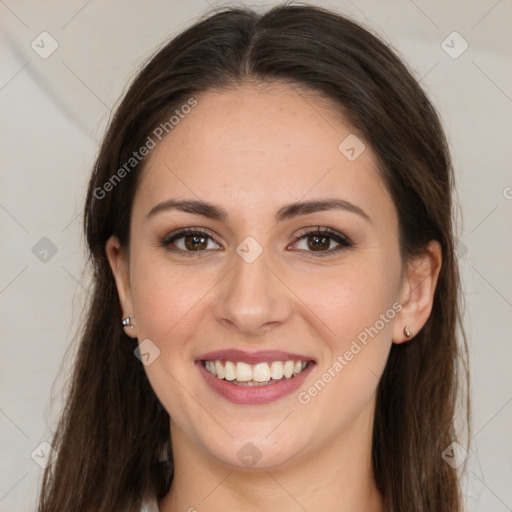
point(127, 322)
point(407, 331)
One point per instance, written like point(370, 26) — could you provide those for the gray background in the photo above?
point(54, 112)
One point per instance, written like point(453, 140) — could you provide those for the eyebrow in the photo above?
point(288, 211)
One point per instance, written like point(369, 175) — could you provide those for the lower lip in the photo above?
point(254, 395)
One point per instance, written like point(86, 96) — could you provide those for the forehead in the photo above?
point(258, 145)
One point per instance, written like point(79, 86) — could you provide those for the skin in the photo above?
point(251, 150)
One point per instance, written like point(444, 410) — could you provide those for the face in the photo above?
point(255, 241)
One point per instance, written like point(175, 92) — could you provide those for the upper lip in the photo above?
point(261, 356)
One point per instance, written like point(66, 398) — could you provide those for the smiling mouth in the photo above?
point(259, 374)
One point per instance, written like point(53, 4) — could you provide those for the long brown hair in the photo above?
point(114, 433)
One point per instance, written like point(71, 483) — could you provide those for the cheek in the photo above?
point(359, 308)
point(351, 301)
point(170, 303)
point(167, 299)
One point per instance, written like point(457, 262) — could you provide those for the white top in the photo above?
point(150, 505)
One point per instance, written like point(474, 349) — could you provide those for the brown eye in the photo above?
point(323, 242)
point(188, 241)
point(319, 243)
point(196, 242)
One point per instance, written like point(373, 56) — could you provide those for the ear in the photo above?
point(118, 259)
point(417, 292)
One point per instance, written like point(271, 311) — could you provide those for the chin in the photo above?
point(257, 449)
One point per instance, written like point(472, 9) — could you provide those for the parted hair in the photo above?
point(112, 438)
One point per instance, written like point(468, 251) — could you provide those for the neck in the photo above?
point(338, 477)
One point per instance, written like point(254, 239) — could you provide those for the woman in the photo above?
point(274, 315)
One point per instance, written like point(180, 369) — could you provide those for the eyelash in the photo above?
point(343, 241)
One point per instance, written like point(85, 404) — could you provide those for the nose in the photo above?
point(253, 299)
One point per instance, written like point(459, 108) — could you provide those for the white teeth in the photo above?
point(220, 369)
point(288, 369)
point(276, 370)
point(229, 371)
point(257, 373)
point(210, 366)
point(243, 372)
point(261, 372)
